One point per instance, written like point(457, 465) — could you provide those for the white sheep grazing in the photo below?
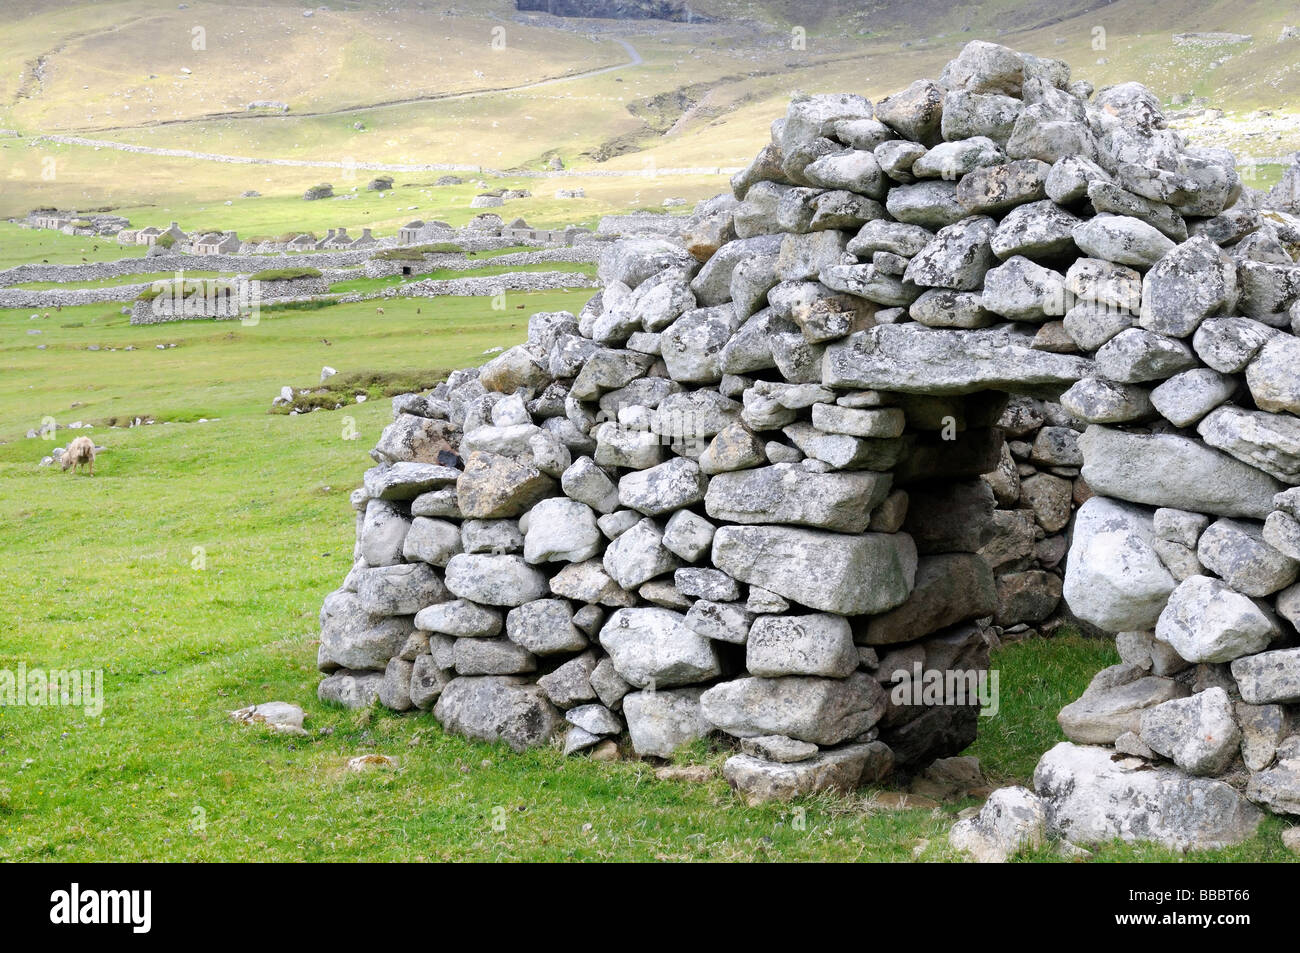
point(81, 452)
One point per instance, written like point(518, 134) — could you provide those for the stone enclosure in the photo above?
point(760, 486)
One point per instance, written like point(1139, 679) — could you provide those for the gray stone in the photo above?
point(968, 114)
point(459, 618)
point(687, 535)
point(801, 645)
point(1136, 355)
point(720, 621)
point(545, 627)
point(570, 683)
point(638, 555)
point(561, 530)
point(1237, 552)
point(1113, 577)
point(1090, 325)
point(352, 638)
point(911, 359)
point(758, 780)
point(706, 584)
point(1199, 734)
point(655, 647)
point(1036, 230)
point(1092, 798)
point(395, 689)
point(785, 493)
point(669, 486)
point(1208, 622)
point(1180, 526)
point(1282, 532)
point(350, 689)
point(1097, 401)
point(497, 708)
point(823, 711)
point(1267, 442)
point(842, 452)
point(1278, 788)
point(896, 237)
point(1190, 283)
point(915, 113)
point(778, 748)
point(1012, 820)
point(1229, 344)
point(588, 582)
point(399, 590)
point(595, 719)
point(427, 682)
point(491, 536)
point(1070, 177)
point(431, 541)
point(610, 687)
point(958, 257)
point(492, 657)
point(1269, 677)
point(494, 580)
point(943, 308)
point(1122, 239)
point(1187, 397)
point(829, 572)
point(1166, 470)
point(494, 486)
point(1272, 378)
point(993, 190)
point(587, 483)
point(1263, 728)
point(383, 533)
point(660, 722)
point(930, 204)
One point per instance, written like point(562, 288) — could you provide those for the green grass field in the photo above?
point(191, 568)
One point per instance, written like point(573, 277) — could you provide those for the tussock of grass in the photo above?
point(344, 388)
point(285, 274)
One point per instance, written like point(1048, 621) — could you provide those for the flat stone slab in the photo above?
point(916, 360)
point(1173, 471)
point(830, 572)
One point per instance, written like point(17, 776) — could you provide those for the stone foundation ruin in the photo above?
point(752, 488)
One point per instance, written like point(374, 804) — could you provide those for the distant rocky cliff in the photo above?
point(614, 9)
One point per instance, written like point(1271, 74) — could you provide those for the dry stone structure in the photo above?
point(747, 489)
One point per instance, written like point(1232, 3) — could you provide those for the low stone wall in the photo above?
point(293, 288)
point(511, 281)
point(70, 297)
point(437, 261)
point(240, 264)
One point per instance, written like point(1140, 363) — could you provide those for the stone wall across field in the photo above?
point(775, 477)
point(163, 264)
point(457, 261)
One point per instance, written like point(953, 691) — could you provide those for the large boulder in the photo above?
point(1093, 797)
point(498, 708)
point(655, 647)
point(1173, 471)
point(1114, 578)
point(824, 711)
point(830, 572)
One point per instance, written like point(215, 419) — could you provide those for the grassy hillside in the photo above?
point(695, 94)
